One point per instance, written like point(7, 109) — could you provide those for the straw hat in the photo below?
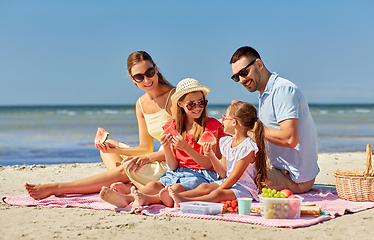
point(188, 85)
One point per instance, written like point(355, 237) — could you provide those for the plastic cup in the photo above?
point(244, 205)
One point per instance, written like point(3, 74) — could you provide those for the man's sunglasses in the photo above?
point(192, 105)
point(140, 77)
point(243, 72)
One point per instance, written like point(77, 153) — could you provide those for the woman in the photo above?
point(153, 110)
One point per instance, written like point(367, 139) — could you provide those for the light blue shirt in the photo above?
point(283, 100)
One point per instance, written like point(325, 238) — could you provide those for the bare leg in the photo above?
point(121, 187)
point(202, 189)
point(215, 196)
point(115, 198)
point(142, 199)
point(90, 184)
point(111, 160)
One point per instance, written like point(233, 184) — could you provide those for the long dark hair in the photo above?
point(246, 114)
point(139, 56)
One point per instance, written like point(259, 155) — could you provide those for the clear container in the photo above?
point(196, 207)
point(281, 208)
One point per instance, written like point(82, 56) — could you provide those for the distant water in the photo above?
point(65, 134)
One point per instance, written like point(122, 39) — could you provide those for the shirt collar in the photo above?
point(270, 84)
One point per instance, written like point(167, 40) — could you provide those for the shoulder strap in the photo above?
point(167, 100)
point(140, 104)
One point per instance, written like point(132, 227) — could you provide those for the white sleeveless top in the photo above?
point(155, 121)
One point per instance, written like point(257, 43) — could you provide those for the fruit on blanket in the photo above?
point(172, 131)
point(101, 135)
point(286, 192)
point(207, 137)
point(230, 206)
point(293, 202)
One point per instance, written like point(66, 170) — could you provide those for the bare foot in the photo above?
point(41, 191)
point(113, 197)
point(165, 197)
point(176, 197)
point(122, 187)
point(140, 199)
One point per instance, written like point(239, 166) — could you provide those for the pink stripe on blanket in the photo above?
point(329, 202)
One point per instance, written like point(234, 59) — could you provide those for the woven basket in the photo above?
point(356, 185)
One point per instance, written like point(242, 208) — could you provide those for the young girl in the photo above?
point(188, 167)
point(243, 165)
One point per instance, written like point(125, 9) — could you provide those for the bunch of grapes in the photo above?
point(272, 193)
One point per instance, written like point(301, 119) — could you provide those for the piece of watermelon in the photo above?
point(101, 135)
point(207, 137)
point(171, 130)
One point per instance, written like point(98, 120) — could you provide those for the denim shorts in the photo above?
point(239, 190)
point(189, 178)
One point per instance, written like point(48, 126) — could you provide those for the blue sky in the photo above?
point(74, 52)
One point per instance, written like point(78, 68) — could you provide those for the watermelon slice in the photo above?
point(171, 130)
point(207, 137)
point(101, 135)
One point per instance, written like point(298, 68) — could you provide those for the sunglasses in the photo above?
point(192, 105)
point(140, 77)
point(243, 72)
point(224, 117)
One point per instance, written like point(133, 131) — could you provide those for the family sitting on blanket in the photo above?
point(288, 130)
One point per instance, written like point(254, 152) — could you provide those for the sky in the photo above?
point(74, 52)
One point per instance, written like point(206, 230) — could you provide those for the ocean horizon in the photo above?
point(54, 134)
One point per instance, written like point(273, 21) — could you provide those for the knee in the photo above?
point(154, 185)
point(178, 188)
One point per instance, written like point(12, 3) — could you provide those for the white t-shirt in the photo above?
point(235, 154)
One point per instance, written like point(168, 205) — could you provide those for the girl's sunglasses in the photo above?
point(243, 72)
point(192, 105)
point(140, 77)
point(224, 117)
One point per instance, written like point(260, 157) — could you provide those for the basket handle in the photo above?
point(369, 170)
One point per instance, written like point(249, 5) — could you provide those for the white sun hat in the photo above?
point(188, 85)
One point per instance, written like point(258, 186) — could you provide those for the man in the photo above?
point(289, 128)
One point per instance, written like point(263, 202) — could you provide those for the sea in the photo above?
point(65, 134)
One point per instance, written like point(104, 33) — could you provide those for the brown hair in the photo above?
point(199, 123)
point(245, 51)
point(139, 56)
point(246, 114)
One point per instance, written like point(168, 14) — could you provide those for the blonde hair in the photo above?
point(139, 56)
point(246, 114)
point(199, 123)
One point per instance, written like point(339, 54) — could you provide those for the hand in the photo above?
point(233, 101)
point(134, 163)
point(180, 143)
point(106, 147)
point(166, 140)
point(207, 148)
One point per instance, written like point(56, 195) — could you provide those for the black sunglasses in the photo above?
point(243, 72)
point(192, 105)
point(140, 77)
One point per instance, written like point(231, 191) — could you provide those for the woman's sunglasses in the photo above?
point(192, 105)
point(243, 72)
point(140, 77)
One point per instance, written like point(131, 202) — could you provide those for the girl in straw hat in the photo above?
point(188, 166)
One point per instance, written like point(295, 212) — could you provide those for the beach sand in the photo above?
point(75, 223)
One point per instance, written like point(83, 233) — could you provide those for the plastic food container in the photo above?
point(201, 207)
point(281, 208)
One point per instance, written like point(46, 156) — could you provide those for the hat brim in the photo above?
point(177, 95)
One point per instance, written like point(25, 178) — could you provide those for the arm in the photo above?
point(181, 144)
point(238, 171)
point(286, 136)
point(171, 160)
point(219, 166)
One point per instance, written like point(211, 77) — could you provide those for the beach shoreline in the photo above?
point(75, 223)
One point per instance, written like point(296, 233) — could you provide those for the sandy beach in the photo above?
point(75, 223)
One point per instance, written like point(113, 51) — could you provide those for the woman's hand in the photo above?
point(180, 143)
point(106, 147)
point(134, 163)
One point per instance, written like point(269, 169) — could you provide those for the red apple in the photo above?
point(286, 192)
point(294, 202)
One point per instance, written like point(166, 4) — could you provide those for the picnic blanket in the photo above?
point(327, 200)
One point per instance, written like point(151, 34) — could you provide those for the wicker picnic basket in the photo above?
point(356, 185)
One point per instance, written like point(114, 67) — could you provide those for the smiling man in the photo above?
point(289, 128)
